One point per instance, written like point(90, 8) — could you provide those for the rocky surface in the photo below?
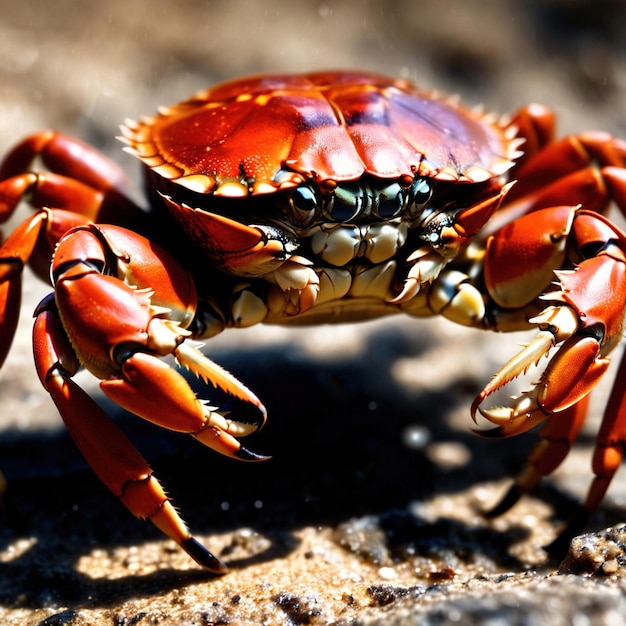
point(369, 511)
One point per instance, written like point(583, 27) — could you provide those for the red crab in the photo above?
point(325, 197)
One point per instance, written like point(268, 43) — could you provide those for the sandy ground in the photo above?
point(368, 512)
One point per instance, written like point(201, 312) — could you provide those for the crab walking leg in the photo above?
point(15, 252)
point(107, 450)
point(584, 322)
point(73, 203)
point(557, 436)
point(10, 302)
point(67, 156)
point(610, 441)
point(80, 181)
point(607, 457)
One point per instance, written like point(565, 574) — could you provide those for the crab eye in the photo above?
point(391, 201)
point(303, 204)
point(421, 193)
point(345, 203)
point(304, 199)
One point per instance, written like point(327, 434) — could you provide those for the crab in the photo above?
point(319, 198)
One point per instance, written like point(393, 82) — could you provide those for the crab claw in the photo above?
point(587, 318)
point(523, 415)
point(153, 390)
point(570, 375)
point(123, 342)
point(469, 221)
point(237, 248)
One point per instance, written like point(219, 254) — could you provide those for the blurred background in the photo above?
point(82, 67)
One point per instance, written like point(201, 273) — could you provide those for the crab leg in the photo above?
point(610, 441)
point(16, 251)
point(608, 454)
point(584, 321)
point(546, 161)
point(586, 169)
point(107, 450)
point(588, 317)
point(557, 436)
point(108, 313)
point(66, 156)
point(142, 311)
point(80, 180)
point(241, 249)
point(83, 186)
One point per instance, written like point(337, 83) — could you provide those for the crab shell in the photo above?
point(260, 135)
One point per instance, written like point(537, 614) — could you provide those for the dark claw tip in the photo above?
point(203, 557)
point(508, 500)
point(492, 433)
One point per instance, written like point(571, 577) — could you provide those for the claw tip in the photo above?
point(203, 557)
point(509, 499)
point(492, 433)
